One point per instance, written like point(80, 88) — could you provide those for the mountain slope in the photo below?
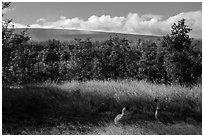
point(38, 34)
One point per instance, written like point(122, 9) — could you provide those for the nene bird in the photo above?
point(165, 119)
point(123, 117)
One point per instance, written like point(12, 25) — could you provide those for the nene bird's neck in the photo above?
point(123, 111)
point(157, 108)
point(157, 112)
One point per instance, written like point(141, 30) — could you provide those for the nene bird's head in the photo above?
point(156, 100)
point(123, 110)
point(157, 104)
point(126, 111)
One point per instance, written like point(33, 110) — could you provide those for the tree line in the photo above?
point(172, 59)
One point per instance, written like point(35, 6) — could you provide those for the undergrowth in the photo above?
point(79, 103)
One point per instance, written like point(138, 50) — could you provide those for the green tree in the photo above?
point(148, 69)
point(12, 51)
point(178, 59)
point(52, 53)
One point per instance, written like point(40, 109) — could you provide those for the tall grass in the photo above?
point(79, 101)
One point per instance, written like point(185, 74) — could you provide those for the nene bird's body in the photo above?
point(165, 119)
point(123, 117)
point(120, 117)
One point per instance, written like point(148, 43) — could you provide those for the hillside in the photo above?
point(38, 34)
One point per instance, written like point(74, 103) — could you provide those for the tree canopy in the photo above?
point(169, 60)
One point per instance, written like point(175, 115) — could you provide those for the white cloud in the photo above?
point(150, 16)
point(41, 20)
point(62, 17)
point(18, 25)
point(104, 23)
point(193, 20)
point(132, 23)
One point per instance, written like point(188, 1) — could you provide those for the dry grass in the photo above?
point(137, 128)
point(70, 108)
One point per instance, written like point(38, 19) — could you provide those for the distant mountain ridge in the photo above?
point(39, 34)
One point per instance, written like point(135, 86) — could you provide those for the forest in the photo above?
point(173, 59)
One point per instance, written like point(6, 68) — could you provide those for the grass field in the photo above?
point(73, 108)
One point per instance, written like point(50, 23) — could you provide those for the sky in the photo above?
point(147, 18)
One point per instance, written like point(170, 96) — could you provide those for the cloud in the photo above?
point(150, 16)
point(41, 20)
point(62, 17)
point(133, 23)
point(104, 23)
point(193, 20)
point(154, 25)
point(18, 25)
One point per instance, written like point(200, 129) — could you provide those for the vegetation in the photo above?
point(72, 108)
point(13, 57)
point(114, 72)
point(170, 60)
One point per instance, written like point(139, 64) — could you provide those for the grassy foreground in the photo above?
point(74, 108)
